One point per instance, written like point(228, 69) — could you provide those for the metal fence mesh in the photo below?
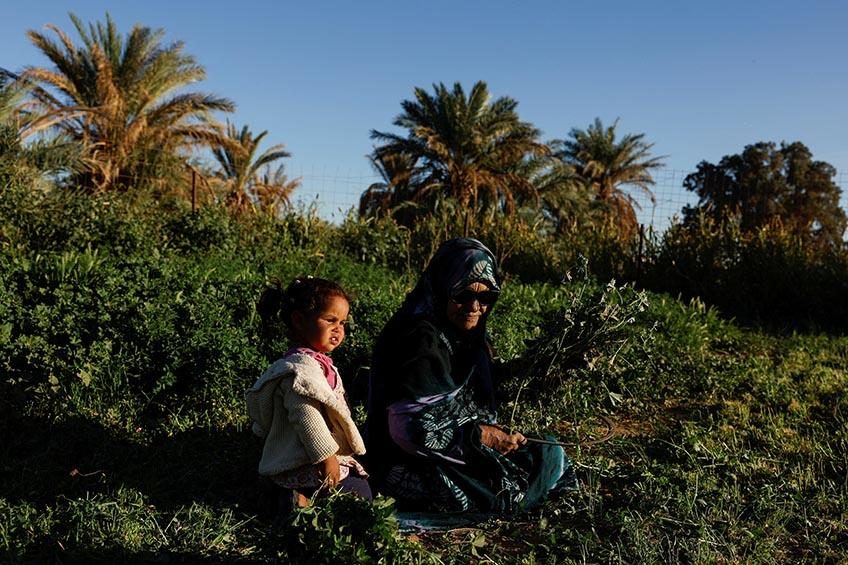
point(335, 192)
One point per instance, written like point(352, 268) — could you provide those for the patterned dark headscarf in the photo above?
point(456, 264)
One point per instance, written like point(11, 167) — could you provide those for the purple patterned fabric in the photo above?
point(401, 419)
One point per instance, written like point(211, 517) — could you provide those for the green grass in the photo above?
point(126, 350)
point(752, 470)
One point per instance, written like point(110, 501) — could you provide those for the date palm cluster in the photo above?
point(477, 152)
point(122, 102)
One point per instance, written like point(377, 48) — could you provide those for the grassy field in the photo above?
point(127, 342)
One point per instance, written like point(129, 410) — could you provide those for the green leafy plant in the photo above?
point(346, 527)
point(377, 240)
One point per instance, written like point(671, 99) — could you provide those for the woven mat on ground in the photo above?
point(439, 522)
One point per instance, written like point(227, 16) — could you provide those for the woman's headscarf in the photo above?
point(457, 263)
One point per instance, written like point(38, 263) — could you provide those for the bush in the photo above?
point(524, 251)
point(119, 333)
point(207, 228)
point(347, 528)
point(380, 241)
point(766, 277)
point(372, 307)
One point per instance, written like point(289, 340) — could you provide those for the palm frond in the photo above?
point(609, 166)
point(114, 94)
point(460, 146)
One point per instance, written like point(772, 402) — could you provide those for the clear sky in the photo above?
point(700, 79)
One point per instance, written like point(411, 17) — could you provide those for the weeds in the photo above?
point(348, 528)
point(127, 337)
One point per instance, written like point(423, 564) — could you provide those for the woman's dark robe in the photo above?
point(429, 391)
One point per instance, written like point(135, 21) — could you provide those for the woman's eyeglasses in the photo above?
point(485, 298)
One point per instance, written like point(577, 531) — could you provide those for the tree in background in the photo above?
point(767, 185)
point(393, 192)
point(606, 166)
point(246, 183)
point(32, 160)
point(11, 119)
point(12, 95)
point(273, 189)
point(464, 148)
point(566, 202)
point(116, 97)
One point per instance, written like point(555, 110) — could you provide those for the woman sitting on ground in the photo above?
point(431, 431)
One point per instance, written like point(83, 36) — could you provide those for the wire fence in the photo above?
point(335, 192)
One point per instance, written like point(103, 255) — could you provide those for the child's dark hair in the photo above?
point(305, 294)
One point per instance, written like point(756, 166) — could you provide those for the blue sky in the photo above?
point(700, 80)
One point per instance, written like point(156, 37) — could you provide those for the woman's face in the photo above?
point(466, 309)
point(324, 330)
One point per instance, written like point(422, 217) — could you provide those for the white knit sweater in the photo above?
point(302, 420)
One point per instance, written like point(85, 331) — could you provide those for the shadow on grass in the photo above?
point(88, 486)
point(118, 555)
point(44, 460)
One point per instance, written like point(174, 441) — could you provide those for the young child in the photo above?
point(298, 404)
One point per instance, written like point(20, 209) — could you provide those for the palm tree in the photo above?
point(607, 166)
point(565, 200)
point(39, 157)
point(466, 148)
point(274, 189)
point(117, 98)
point(240, 169)
point(12, 94)
point(393, 193)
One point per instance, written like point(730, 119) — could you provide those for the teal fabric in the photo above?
point(489, 482)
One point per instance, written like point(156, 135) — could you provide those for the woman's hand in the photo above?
point(329, 470)
point(499, 440)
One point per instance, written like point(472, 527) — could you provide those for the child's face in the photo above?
point(323, 330)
